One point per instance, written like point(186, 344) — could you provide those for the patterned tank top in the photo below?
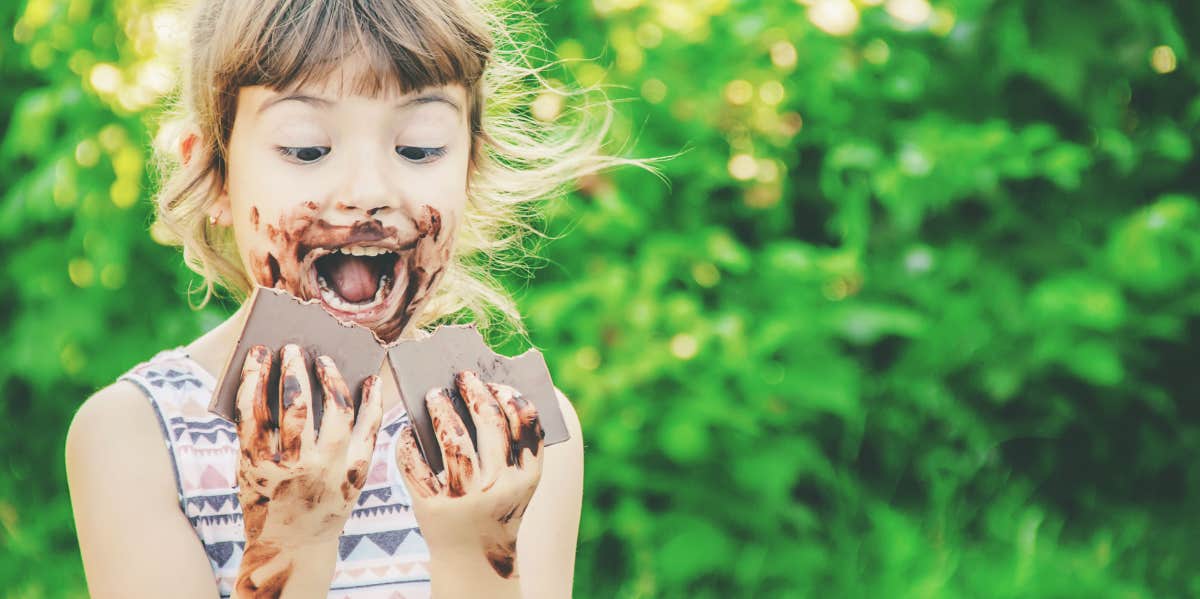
point(381, 554)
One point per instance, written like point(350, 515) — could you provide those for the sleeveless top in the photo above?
point(381, 553)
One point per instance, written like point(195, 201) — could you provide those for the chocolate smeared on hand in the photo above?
point(434, 362)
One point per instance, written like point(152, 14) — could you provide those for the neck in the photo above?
point(212, 349)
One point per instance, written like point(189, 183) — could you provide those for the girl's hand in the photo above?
point(298, 487)
point(474, 507)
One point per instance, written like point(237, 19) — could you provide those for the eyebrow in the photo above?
point(425, 98)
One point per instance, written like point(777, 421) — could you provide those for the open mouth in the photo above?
point(358, 281)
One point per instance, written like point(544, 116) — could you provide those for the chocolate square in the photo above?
point(432, 362)
point(278, 318)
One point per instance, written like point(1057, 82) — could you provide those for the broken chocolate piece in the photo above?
point(278, 318)
point(432, 362)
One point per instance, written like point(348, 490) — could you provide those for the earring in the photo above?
point(212, 220)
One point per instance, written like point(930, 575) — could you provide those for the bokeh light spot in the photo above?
point(762, 197)
point(743, 167)
point(877, 51)
point(910, 13)
point(654, 90)
point(918, 260)
point(835, 17)
point(112, 276)
point(706, 274)
point(791, 123)
point(72, 358)
point(587, 358)
point(1163, 60)
point(87, 153)
point(41, 56)
point(739, 91)
point(771, 92)
point(684, 346)
point(783, 54)
point(124, 192)
point(105, 78)
point(546, 107)
point(649, 35)
point(768, 170)
point(81, 272)
point(942, 22)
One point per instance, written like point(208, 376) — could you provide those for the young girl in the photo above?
point(363, 155)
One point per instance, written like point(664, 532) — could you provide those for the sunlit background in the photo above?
point(916, 317)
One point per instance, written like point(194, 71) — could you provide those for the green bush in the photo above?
point(915, 316)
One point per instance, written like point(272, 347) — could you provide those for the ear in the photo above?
point(220, 209)
point(186, 144)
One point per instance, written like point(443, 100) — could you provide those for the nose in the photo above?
point(368, 187)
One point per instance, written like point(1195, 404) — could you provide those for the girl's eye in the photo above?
point(416, 154)
point(305, 154)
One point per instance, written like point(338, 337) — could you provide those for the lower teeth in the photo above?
point(333, 299)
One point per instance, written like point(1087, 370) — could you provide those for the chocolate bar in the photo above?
point(278, 318)
point(432, 362)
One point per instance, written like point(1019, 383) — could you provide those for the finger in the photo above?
point(296, 429)
point(256, 434)
point(458, 454)
point(337, 415)
point(416, 470)
point(362, 437)
point(491, 426)
point(523, 423)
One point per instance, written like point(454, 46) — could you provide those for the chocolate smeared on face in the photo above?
point(374, 274)
point(430, 222)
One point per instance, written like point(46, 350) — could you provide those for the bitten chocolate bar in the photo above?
point(432, 362)
point(278, 318)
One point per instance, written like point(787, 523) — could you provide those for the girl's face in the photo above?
point(347, 199)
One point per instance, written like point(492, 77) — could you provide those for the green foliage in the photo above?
point(915, 316)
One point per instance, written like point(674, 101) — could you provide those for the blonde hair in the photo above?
point(516, 161)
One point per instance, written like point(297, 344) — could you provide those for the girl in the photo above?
point(358, 154)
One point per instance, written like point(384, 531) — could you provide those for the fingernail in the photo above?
point(460, 379)
point(292, 351)
point(433, 394)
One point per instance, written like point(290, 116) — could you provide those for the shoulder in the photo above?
point(117, 408)
point(134, 539)
point(117, 425)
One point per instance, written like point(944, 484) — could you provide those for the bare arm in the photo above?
point(134, 539)
point(550, 528)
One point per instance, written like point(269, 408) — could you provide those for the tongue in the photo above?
point(352, 278)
